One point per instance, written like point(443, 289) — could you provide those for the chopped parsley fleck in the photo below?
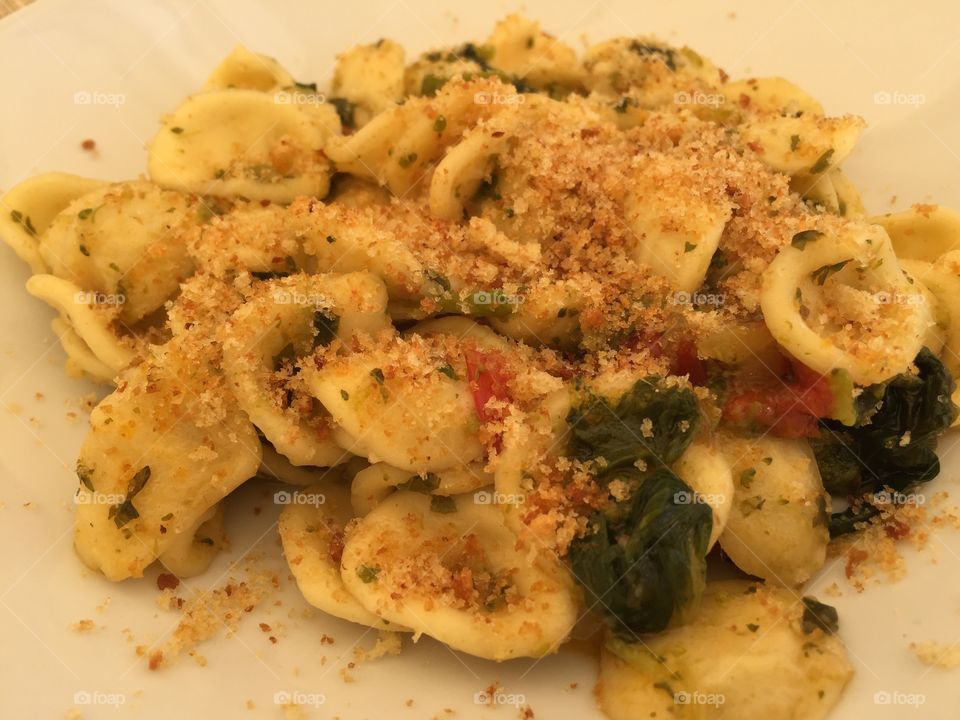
point(377, 374)
point(442, 504)
point(125, 512)
point(367, 574)
point(345, 395)
point(407, 160)
point(440, 124)
point(794, 142)
point(448, 371)
point(820, 276)
point(24, 222)
point(801, 239)
point(176, 130)
point(822, 163)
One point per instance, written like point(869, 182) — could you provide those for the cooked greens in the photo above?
point(645, 566)
point(894, 443)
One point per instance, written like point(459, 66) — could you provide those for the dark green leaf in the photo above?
point(817, 615)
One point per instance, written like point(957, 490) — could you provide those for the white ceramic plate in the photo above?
point(895, 65)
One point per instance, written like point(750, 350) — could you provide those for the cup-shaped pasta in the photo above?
point(454, 571)
point(458, 176)
point(246, 70)
point(520, 48)
point(373, 484)
point(312, 532)
point(397, 146)
point(801, 145)
point(163, 448)
point(705, 469)
point(831, 190)
point(285, 319)
point(370, 77)
point(91, 317)
point(244, 143)
point(823, 299)
point(924, 232)
point(746, 639)
point(27, 210)
point(125, 240)
point(944, 285)
point(193, 551)
point(777, 494)
point(771, 94)
point(648, 70)
point(676, 221)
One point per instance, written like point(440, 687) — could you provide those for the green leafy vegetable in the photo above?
point(645, 566)
point(125, 512)
point(367, 574)
point(818, 615)
point(650, 422)
point(326, 324)
point(894, 443)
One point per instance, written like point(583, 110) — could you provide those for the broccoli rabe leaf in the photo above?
point(645, 567)
point(651, 422)
point(894, 445)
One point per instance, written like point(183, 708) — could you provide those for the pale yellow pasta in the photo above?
point(27, 210)
point(808, 144)
point(261, 146)
point(860, 258)
point(771, 94)
point(247, 70)
point(311, 527)
point(283, 315)
point(924, 232)
point(167, 453)
point(192, 551)
point(372, 485)
point(80, 358)
point(397, 146)
point(521, 49)
point(777, 526)
point(401, 562)
point(370, 77)
point(676, 233)
point(124, 240)
point(705, 469)
point(421, 421)
point(91, 321)
point(747, 655)
point(832, 190)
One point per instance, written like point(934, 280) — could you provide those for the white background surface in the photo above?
point(153, 54)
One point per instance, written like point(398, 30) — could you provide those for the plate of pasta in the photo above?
point(400, 363)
